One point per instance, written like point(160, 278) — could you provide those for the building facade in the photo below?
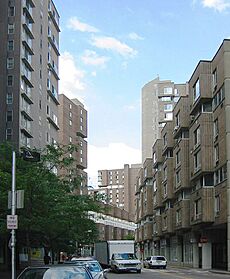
point(158, 99)
point(29, 35)
point(188, 181)
point(73, 130)
point(117, 186)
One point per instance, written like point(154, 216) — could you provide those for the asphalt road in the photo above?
point(170, 273)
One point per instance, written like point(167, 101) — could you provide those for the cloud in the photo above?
point(134, 36)
point(71, 78)
point(90, 57)
point(77, 25)
point(110, 43)
point(219, 5)
point(113, 156)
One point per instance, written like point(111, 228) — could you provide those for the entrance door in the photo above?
point(200, 257)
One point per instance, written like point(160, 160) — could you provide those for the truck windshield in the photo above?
point(124, 256)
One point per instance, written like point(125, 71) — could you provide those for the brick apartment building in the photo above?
point(183, 190)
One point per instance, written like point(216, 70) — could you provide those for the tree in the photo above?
point(52, 216)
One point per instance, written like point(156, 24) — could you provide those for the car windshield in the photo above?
point(125, 256)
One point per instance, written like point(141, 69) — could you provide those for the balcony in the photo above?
point(26, 76)
point(157, 194)
point(54, 70)
point(27, 43)
point(148, 231)
point(28, 28)
point(53, 95)
point(27, 95)
point(53, 43)
point(183, 219)
point(27, 9)
point(26, 129)
point(27, 61)
point(54, 18)
point(157, 233)
point(53, 122)
point(204, 212)
point(25, 110)
point(168, 221)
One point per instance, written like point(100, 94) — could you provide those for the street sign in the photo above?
point(19, 199)
point(12, 222)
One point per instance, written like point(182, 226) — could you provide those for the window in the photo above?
point(216, 153)
point(177, 118)
point(10, 28)
point(70, 114)
point(165, 173)
point(81, 119)
point(165, 189)
point(9, 98)
point(154, 158)
point(10, 45)
point(70, 139)
point(9, 116)
point(70, 122)
point(11, 11)
point(165, 99)
point(214, 79)
point(196, 90)
point(154, 186)
point(8, 134)
point(70, 106)
point(215, 128)
point(178, 216)
point(168, 90)
point(168, 116)
point(196, 137)
point(197, 209)
point(10, 80)
point(10, 63)
point(178, 158)
point(177, 178)
point(217, 204)
point(165, 139)
point(197, 161)
point(168, 107)
point(165, 221)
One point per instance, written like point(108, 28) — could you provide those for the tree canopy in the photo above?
point(53, 216)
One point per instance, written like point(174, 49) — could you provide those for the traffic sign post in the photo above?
point(13, 223)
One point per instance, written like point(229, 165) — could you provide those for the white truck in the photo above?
point(119, 255)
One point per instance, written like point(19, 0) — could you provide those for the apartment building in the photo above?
point(189, 175)
point(73, 130)
point(158, 99)
point(29, 35)
point(117, 186)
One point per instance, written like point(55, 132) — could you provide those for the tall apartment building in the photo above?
point(73, 130)
point(188, 182)
point(117, 185)
point(29, 35)
point(158, 99)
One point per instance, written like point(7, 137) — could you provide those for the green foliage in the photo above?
point(52, 215)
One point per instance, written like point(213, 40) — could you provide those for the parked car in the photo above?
point(155, 261)
point(57, 272)
point(92, 265)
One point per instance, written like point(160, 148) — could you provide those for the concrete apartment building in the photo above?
point(117, 185)
point(158, 99)
point(187, 185)
point(29, 35)
point(73, 130)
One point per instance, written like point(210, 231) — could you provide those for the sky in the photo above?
point(111, 48)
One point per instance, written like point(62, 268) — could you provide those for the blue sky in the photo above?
point(111, 48)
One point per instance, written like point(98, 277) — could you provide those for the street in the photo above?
point(171, 273)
